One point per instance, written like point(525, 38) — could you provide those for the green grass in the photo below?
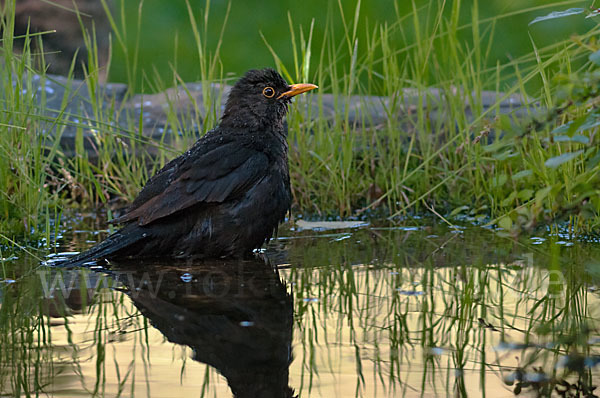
point(520, 176)
point(27, 153)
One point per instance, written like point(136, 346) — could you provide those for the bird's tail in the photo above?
point(114, 243)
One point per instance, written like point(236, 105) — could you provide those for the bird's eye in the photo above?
point(268, 92)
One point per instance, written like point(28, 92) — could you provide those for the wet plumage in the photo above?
point(223, 197)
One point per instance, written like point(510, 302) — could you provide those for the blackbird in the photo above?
point(226, 195)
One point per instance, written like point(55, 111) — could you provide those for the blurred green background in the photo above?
point(166, 22)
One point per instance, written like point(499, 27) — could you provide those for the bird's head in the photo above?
point(259, 100)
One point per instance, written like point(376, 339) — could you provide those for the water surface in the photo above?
point(373, 311)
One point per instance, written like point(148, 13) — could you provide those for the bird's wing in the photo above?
point(219, 174)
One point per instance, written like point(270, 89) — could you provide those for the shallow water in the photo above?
point(372, 311)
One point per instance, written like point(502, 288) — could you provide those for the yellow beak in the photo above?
point(296, 89)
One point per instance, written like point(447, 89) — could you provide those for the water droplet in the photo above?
point(436, 350)
point(564, 243)
point(410, 292)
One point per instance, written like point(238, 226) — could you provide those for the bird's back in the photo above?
point(224, 196)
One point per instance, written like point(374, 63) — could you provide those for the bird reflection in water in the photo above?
point(236, 316)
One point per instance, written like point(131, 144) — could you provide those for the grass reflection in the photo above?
point(459, 313)
point(376, 312)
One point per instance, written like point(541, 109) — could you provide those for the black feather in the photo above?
point(225, 196)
